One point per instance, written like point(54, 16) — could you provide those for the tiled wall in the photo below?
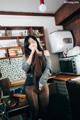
point(12, 69)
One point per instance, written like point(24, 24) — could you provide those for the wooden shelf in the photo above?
point(20, 27)
point(10, 47)
point(7, 55)
point(4, 58)
point(35, 30)
point(10, 57)
point(11, 37)
point(16, 83)
point(16, 37)
point(16, 56)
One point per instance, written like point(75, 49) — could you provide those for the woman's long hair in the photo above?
point(38, 62)
point(26, 49)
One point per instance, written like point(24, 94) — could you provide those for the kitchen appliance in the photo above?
point(70, 65)
point(60, 41)
point(74, 51)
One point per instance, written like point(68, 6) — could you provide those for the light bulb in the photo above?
point(42, 7)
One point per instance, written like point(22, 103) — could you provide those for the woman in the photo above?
point(37, 66)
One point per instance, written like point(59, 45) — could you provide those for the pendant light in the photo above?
point(42, 7)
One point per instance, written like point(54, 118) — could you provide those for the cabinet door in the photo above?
point(65, 11)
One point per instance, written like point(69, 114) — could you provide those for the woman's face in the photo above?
point(32, 43)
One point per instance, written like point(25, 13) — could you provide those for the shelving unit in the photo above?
point(12, 39)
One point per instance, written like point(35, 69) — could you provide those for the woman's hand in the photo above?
point(40, 86)
point(32, 47)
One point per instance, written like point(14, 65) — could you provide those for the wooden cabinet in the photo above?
point(66, 12)
point(69, 16)
point(12, 39)
point(74, 27)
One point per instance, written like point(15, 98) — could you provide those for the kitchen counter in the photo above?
point(59, 77)
point(62, 77)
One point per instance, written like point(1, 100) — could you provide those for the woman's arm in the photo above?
point(27, 62)
point(29, 59)
point(47, 72)
point(25, 66)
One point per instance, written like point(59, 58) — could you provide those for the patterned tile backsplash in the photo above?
point(12, 69)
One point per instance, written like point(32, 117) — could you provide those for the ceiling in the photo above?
point(29, 5)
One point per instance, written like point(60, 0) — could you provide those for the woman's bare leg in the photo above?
point(33, 99)
point(44, 99)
